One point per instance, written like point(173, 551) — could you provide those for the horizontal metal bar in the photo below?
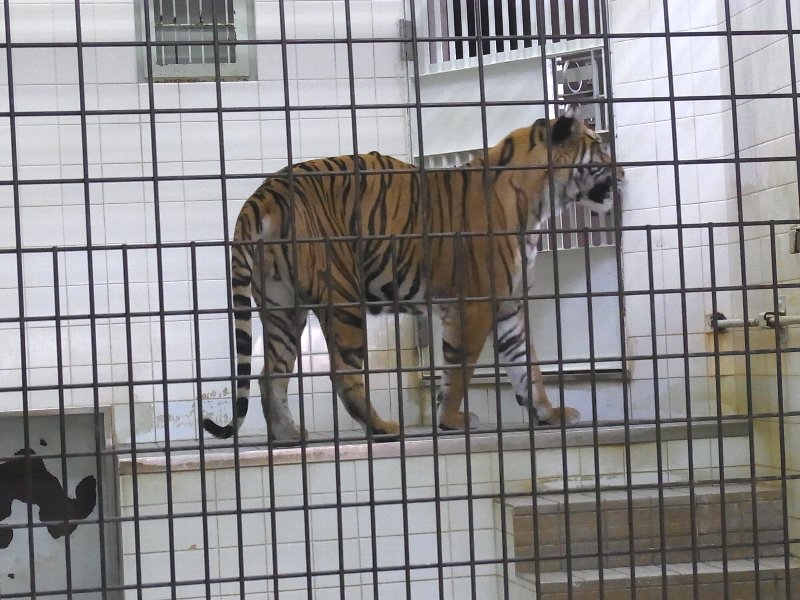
point(722, 324)
point(599, 37)
point(765, 320)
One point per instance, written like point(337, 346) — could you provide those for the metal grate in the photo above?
point(190, 21)
point(508, 29)
point(672, 325)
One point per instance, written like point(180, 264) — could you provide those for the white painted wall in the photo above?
point(708, 193)
point(50, 147)
point(120, 146)
point(46, 79)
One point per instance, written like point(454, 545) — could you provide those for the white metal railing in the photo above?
point(509, 29)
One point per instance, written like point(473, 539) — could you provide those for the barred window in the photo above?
point(189, 36)
point(505, 25)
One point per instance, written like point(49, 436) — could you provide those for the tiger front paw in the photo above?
point(566, 415)
point(458, 421)
point(291, 434)
point(386, 428)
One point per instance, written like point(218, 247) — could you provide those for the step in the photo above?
point(617, 513)
point(680, 582)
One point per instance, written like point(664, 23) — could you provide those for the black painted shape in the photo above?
point(46, 492)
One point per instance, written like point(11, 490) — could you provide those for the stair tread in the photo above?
point(555, 501)
point(772, 565)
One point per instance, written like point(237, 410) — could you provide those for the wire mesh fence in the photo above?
point(157, 253)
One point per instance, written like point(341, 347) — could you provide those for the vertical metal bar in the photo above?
point(401, 418)
point(553, 221)
point(458, 27)
point(337, 462)
point(719, 418)
point(486, 178)
point(62, 412)
point(793, 83)
point(541, 24)
point(585, 17)
point(472, 8)
point(528, 25)
point(569, 18)
point(137, 540)
point(787, 573)
point(272, 504)
point(160, 292)
point(488, 26)
point(604, 30)
point(225, 228)
point(287, 115)
point(451, 23)
point(662, 525)
point(459, 251)
point(158, 31)
point(682, 280)
point(434, 31)
point(18, 252)
point(595, 425)
point(600, 25)
point(361, 278)
point(99, 437)
point(189, 29)
point(796, 121)
point(198, 367)
point(174, 7)
point(425, 213)
point(745, 302)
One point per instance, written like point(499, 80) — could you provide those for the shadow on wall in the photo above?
point(45, 491)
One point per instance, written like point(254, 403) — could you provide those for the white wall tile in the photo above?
point(200, 141)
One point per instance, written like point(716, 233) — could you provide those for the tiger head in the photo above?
point(589, 179)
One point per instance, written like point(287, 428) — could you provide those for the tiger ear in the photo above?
point(539, 132)
point(565, 126)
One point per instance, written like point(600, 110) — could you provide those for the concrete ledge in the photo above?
point(419, 442)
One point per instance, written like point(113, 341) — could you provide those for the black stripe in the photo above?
point(353, 357)
point(507, 153)
point(244, 343)
point(241, 300)
point(451, 353)
point(348, 318)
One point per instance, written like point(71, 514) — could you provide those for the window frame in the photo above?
point(596, 111)
point(243, 69)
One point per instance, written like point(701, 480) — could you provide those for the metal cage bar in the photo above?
point(681, 473)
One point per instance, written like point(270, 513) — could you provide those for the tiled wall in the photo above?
point(360, 482)
point(769, 190)
point(51, 147)
point(644, 133)
point(704, 192)
point(439, 519)
point(120, 146)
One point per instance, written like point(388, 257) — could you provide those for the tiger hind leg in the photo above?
point(513, 346)
point(464, 333)
point(283, 326)
point(343, 329)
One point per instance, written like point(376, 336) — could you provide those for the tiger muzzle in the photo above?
point(601, 191)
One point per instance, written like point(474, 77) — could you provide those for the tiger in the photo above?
point(341, 234)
